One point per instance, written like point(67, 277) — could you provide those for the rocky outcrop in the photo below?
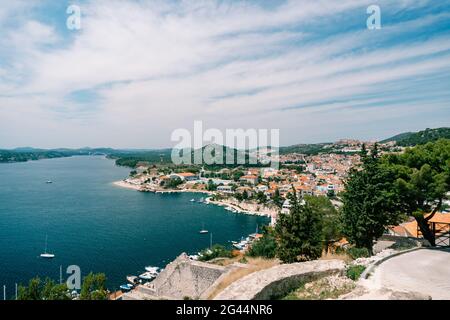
point(279, 280)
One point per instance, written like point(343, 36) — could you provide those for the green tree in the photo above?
point(173, 183)
point(277, 199)
point(237, 175)
point(261, 197)
point(299, 233)
point(331, 227)
point(211, 186)
point(370, 201)
point(423, 180)
point(54, 291)
point(39, 290)
point(217, 251)
point(32, 292)
point(94, 287)
point(266, 246)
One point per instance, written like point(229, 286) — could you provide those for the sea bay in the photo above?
point(96, 225)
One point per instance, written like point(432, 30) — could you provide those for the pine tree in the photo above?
point(299, 233)
point(370, 201)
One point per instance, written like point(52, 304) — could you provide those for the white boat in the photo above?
point(203, 230)
point(192, 200)
point(132, 279)
point(47, 255)
point(126, 287)
point(152, 269)
point(49, 181)
point(148, 276)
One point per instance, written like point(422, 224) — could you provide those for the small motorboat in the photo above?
point(148, 276)
point(132, 279)
point(192, 200)
point(152, 269)
point(126, 287)
point(49, 181)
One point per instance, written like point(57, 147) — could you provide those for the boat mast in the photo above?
point(210, 241)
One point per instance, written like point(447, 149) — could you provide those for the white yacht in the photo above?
point(47, 255)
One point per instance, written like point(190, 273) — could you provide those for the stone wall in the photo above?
point(184, 278)
point(279, 280)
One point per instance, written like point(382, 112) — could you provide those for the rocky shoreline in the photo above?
point(241, 207)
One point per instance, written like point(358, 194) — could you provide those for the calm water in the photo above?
point(98, 226)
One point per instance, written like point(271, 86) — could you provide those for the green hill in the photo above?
point(408, 139)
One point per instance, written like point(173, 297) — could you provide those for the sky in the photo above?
point(138, 70)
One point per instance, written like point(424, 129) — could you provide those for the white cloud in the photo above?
point(157, 66)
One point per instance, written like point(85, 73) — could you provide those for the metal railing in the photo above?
point(441, 231)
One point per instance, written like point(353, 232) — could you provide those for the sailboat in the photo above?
point(45, 254)
point(203, 231)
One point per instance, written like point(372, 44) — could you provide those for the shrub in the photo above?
point(217, 251)
point(355, 271)
point(356, 253)
point(265, 247)
point(404, 244)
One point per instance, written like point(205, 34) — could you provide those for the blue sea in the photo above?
point(96, 225)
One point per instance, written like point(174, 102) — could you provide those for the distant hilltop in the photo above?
point(409, 139)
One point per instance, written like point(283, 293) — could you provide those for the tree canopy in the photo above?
point(331, 227)
point(371, 201)
point(94, 287)
point(43, 290)
point(422, 181)
point(299, 233)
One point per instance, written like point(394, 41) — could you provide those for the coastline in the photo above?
point(237, 208)
point(123, 184)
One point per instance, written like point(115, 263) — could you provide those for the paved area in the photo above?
point(426, 271)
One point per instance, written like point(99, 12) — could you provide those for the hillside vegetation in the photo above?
point(409, 139)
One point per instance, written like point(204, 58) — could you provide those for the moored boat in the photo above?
point(152, 269)
point(126, 287)
point(148, 276)
point(47, 255)
point(132, 279)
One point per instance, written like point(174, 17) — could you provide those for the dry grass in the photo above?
point(338, 256)
point(253, 265)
